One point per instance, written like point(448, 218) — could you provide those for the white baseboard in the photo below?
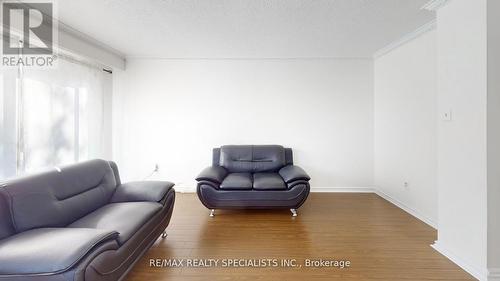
point(407, 209)
point(354, 189)
point(185, 189)
point(494, 274)
point(340, 189)
point(471, 269)
point(190, 189)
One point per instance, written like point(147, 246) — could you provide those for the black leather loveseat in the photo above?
point(79, 223)
point(253, 176)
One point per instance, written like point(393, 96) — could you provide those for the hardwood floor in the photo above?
point(381, 241)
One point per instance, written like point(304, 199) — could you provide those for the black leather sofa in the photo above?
point(79, 222)
point(253, 177)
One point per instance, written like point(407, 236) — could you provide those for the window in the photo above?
point(51, 117)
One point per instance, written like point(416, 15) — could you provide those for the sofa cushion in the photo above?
point(252, 158)
point(268, 181)
point(49, 250)
point(58, 197)
point(125, 218)
point(237, 181)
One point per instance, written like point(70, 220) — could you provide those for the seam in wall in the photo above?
point(11, 209)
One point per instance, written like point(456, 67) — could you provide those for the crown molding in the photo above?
point(435, 5)
point(405, 39)
point(82, 47)
point(62, 27)
point(133, 57)
point(88, 39)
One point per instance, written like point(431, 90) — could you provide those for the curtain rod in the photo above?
point(74, 59)
point(69, 56)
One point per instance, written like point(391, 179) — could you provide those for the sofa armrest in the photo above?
point(295, 183)
point(214, 174)
point(292, 173)
point(46, 251)
point(209, 183)
point(150, 191)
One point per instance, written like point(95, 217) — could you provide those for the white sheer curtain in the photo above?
point(62, 115)
point(8, 82)
point(53, 116)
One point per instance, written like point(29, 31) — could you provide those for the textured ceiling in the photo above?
point(245, 28)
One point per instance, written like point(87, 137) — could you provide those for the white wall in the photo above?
point(405, 129)
point(494, 139)
point(172, 112)
point(462, 171)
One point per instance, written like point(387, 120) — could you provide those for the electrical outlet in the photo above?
point(406, 184)
point(157, 168)
point(446, 116)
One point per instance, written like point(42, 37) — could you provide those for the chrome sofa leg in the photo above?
point(164, 234)
point(212, 213)
point(294, 212)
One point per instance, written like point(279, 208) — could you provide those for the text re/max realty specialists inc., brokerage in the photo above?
point(238, 262)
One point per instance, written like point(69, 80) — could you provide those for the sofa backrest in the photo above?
point(57, 198)
point(216, 156)
point(6, 227)
point(251, 158)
